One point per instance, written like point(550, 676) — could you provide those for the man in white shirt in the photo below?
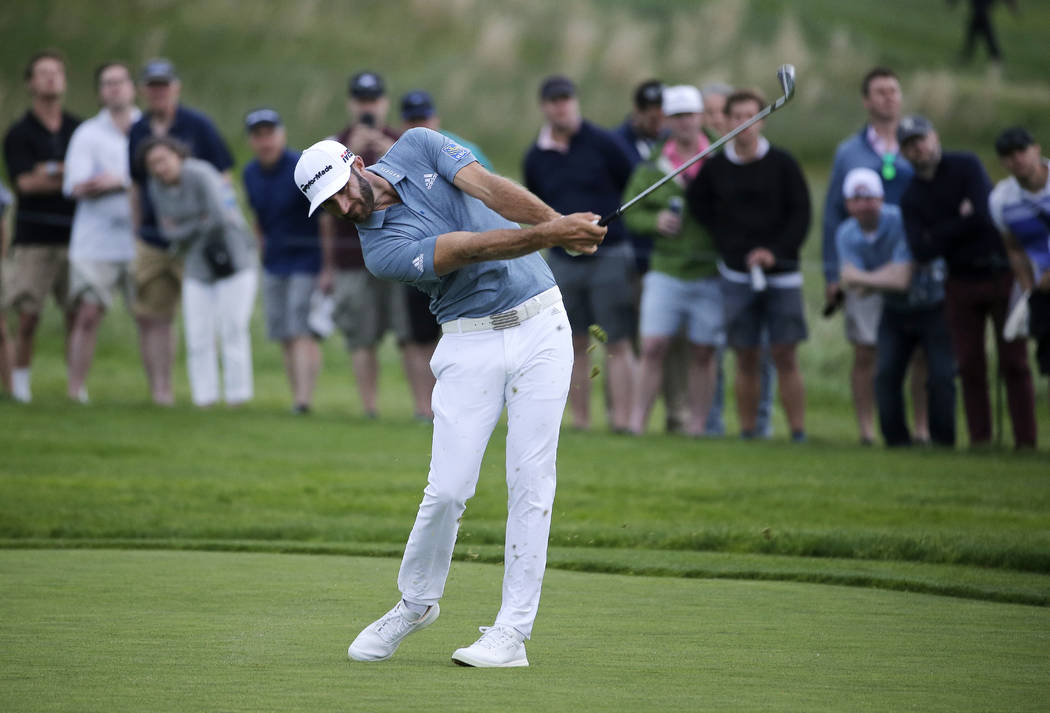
point(102, 243)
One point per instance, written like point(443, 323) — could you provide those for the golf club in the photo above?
point(786, 75)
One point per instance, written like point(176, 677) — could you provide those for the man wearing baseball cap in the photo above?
point(417, 109)
point(431, 216)
point(945, 209)
point(874, 258)
point(1020, 208)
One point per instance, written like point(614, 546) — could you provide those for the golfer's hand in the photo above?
point(579, 232)
point(668, 223)
point(761, 257)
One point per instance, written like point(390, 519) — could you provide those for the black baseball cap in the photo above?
point(557, 86)
point(1013, 139)
point(417, 104)
point(648, 94)
point(912, 127)
point(262, 117)
point(159, 71)
point(367, 85)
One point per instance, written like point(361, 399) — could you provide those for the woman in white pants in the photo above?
point(197, 211)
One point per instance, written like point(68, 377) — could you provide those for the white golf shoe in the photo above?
point(498, 647)
point(380, 639)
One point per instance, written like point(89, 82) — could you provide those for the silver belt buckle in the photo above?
point(505, 320)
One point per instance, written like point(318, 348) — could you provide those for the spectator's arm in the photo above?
point(893, 276)
point(502, 195)
point(923, 244)
point(214, 150)
point(973, 213)
point(834, 214)
point(134, 195)
point(619, 165)
point(700, 202)
point(642, 218)
point(207, 221)
point(1019, 261)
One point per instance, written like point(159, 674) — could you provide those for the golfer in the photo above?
point(431, 216)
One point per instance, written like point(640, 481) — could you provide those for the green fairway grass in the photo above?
point(133, 631)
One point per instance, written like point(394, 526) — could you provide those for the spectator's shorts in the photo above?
point(777, 309)
point(863, 312)
point(669, 304)
point(96, 282)
point(366, 307)
point(286, 301)
point(1039, 328)
point(598, 290)
point(31, 272)
point(158, 281)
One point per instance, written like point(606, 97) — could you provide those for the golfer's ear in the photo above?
point(358, 163)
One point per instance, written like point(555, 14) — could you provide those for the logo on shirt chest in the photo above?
point(428, 180)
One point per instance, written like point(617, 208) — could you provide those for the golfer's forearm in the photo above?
point(455, 250)
point(513, 202)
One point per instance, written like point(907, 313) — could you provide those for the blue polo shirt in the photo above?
point(291, 242)
point(191, 128)
point(889, 244)
point(398, 242)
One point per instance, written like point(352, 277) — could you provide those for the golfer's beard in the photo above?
point(368, 201)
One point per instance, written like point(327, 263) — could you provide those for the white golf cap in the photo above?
point(862, 183)
point(322, 170)
point(682, 99)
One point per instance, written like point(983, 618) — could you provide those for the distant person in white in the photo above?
point(102, 243)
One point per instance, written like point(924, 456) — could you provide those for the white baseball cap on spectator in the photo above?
point(862, 183)
point(322, 171)
point(682, 99)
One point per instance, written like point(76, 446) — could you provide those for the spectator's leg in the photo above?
point(620, 366)
point(940, 367)
point(5, 355)
point(236, 301)
point(768, 387)
point(199, 307)
point(702, 377)
point(792, 391)
point(580, 383)
point(895, 344)
point(307, 359)
point(650, 375)
point(715, 425)
point(862, 383)
point(747, 388)
point(27, 324)
point(1015, 371)
point(82, 344)
point(675, 385)
point(966, 321)
point(919, 406)
point(416, 358)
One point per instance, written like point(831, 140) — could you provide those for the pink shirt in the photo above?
point(670, 152)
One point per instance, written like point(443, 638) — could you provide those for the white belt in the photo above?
point(505, 320)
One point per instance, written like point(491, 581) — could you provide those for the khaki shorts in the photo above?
point(31, 272)
point(97, 281)
point(863, 313)
point(366, 307)
point(158, 281)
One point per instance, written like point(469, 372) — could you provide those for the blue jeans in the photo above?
point(900, 333)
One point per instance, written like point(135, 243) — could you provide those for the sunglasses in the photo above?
point(889, 168)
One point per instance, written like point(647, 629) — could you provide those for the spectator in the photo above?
point(575, 166)
point(946, 215)
point(754, 200)
point(291, 251)
point(874, 255)
point(156, 271)
point(715, 127)
point(1020, 208)
point(417, 109)
point(979, 26)
point(5, 347)
point(875, 147)
point(197, 214)
point(365, 306)
point(35, 150)
point(681, 289)
point(102, 244)
point(715, 122)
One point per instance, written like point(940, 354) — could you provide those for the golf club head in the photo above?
point(786, 75)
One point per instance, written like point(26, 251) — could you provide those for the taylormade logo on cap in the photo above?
point(322, 171)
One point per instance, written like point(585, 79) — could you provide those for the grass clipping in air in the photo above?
point(598, 333)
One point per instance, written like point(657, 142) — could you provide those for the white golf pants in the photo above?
point(222, 308)
point(526, 368)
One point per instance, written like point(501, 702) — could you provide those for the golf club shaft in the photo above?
point(706, 152)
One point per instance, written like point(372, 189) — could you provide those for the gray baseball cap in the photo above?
point(913, 127)
point(159, 71)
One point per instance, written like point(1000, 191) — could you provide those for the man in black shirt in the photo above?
point(754, 200)
point(945, 209)
point(35, 149)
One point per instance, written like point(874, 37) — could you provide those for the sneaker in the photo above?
point(498, 647)
point(380, 639)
